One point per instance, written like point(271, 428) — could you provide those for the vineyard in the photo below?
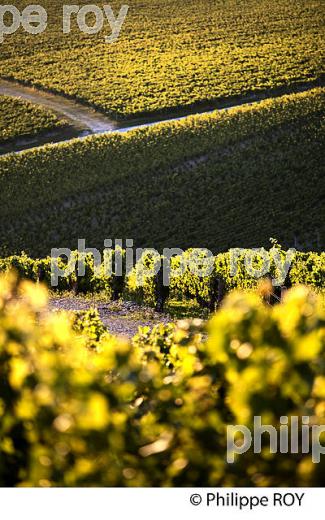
point(21, 119)
point(189, 154)
point(173, 54)
point(80, 407)
point(202, 279)
point(217, 175)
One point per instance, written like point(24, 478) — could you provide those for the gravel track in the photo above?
point(121, 318)
point(84, 120)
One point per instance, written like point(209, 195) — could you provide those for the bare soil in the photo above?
point(120, 318)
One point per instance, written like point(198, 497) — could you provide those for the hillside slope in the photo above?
point(172, 53)
point(227, 179)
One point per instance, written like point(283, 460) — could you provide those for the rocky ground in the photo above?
point(121, 318)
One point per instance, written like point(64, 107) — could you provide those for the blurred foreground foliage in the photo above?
point(154, 412)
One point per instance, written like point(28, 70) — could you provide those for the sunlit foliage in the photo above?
point(173, 53)
point(195, 282)
point(155, 413)
point(20, 118)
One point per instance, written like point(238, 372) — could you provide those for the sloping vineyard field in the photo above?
point(227, 179)
point(21, 119)
point(172, 54)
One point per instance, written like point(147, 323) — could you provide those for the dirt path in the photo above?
point(84, 120)
point(121, 318)
point(79, 116)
